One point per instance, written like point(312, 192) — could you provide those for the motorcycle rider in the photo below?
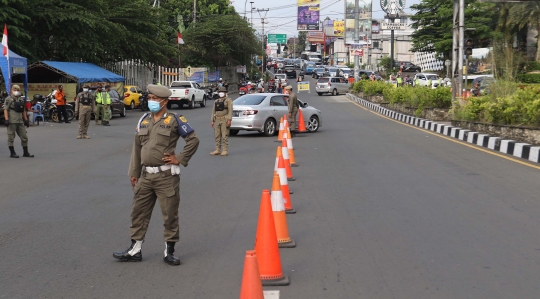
point(15, 120)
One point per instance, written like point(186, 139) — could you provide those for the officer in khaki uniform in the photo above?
point(155, 173)
point(83, 109)
point(16, 120)
point(293, 109)
point(221, 122)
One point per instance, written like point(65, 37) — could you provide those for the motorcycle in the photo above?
point(271, 88)
point(144, 101)
point(212, 93)
point(242, 90)
point(50, 111)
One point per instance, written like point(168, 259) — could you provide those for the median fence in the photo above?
point(518, 149)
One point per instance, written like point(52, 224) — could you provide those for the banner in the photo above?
point(303, 86)
point(364, 23)
point(241, 69)
point(308, 15)
point(214, 76)
point(197, 77)
point(339, 28)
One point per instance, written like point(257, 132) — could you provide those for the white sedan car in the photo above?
point(424, 79)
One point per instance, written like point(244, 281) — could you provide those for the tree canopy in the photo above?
point(102, 31)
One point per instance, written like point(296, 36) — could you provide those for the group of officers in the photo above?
point(154, 168)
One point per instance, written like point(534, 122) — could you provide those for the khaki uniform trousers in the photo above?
point(292, 120)
point(20, 130)
point(85, 113)
point(221, 132)
point(166, 189)
point(104, 111)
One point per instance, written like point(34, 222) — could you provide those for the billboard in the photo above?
point(315, 37)
point(308, 15)
point(364, 22)
point(339, 28)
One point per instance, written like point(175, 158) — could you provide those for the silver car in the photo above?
point(333, 85)
point(261, 112)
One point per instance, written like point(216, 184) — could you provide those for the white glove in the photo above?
point(175, 170)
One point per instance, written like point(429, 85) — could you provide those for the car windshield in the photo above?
point(250, 99)
point(346, 71)
point(313, 57)
point(181, 84)
point(320, 69)
point(432, 77)
point(310, 64)
point(332, 69)
point(280, 76)
point(323, 80)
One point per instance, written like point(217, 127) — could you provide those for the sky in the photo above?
point(281, 16)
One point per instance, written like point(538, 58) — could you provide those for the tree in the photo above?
point(433, 24)
point(526, 14)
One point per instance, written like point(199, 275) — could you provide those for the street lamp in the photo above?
point(251, 20)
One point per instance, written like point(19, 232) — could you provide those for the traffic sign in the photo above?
point(277, 38)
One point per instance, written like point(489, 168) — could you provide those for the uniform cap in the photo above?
point(223, 89)
point(15, 86)
point(159, 90)
point(288, 87)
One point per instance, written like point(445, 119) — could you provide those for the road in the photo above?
point(384, 210)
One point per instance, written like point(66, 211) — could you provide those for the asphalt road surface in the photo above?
point(384, 211)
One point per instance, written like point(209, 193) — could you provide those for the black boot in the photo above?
point(26, 153)
point(132, 254)
point(169, 254)
point(13, 154)
point(106, 123)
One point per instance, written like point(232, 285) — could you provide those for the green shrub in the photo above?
point(532, 66)
point(359, 86)
point(375, 87)
point(529, 78)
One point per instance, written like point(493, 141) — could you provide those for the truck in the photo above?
point(186, 93)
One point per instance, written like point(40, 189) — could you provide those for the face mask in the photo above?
point(16, 93)
point(154, 106)
point(85, 89)
point(221, 94)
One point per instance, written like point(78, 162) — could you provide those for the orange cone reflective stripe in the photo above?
point(285, 153)
point(285, 187)
point(280, 219)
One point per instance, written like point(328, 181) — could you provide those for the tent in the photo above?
point(18, 66)
point(76, 72)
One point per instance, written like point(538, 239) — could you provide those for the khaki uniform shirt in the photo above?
point(227, 112)
point(293, 102)
point(14, 117)
point(85, 94)
point(154, 139)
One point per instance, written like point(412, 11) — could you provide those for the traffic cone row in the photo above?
point(262, 266)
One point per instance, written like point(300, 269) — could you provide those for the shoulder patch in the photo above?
point(167, 120)
point(182, 118)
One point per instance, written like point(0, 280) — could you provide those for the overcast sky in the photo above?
point(281, 17)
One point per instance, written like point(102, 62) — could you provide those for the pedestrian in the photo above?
point(293, 106)
point(16, 120)
point(83, 109)
point(221, 122)
point(61, 104)
point(103, 102)
point(279, 86)
point(154, 172)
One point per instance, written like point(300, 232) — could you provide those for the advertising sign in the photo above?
point(214, 76)
point(364, 23)
point(393, 26)
point(241, 69)
point(197, 77)
point(375, 27)
point(303, 86)
point(315, 37)
point(308, 15)
point(277, 38)
point(339, 28)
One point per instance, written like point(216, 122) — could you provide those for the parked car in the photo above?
point(481, 85)
point(424, 78)
point(186, 93)
point(261, 112)
point(333, 85)
point(132, 95)
point(366, 74)
point(290, 72)
point(309, 67)
point(318, 72)
point(409, 67)
point(283, 78)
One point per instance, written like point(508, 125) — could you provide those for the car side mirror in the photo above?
point(305, 105)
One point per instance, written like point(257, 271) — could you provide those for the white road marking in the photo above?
point(271, 294)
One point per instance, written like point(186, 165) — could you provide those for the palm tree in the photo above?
point(526, 14)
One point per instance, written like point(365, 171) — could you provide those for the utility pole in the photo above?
point(263, 60)
point(251, 20)
point(194, 11)
point(457, 50)
point(356, 40)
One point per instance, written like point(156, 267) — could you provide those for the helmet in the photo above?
point(220, 79)
point(249, 82)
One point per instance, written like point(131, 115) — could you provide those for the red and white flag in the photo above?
point(180, 39)
point(4, 42)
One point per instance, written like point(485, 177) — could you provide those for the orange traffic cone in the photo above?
point(280, 133)
point(285, 153)
point(266, 246)
point(279, 154)
point(285, 186)
point(251, 279)
point(291, 149)
point(280, 220)
point(301, 125)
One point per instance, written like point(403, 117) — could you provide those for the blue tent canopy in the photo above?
point(80, 72)
point(17, 66)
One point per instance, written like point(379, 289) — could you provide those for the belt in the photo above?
point(86, 105)
point(150, 169)
point(221, 117)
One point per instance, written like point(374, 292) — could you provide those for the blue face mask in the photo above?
point(154, 106)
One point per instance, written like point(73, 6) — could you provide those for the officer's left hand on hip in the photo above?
point(170, 159)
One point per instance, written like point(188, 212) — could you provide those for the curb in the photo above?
point(521, 150)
